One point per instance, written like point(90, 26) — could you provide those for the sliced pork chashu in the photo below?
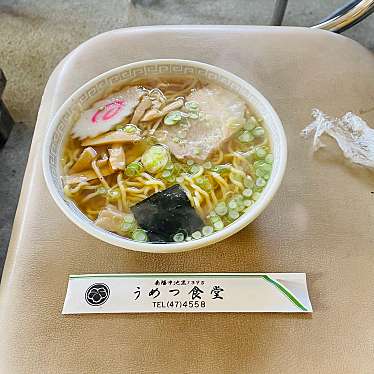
point(220, 110)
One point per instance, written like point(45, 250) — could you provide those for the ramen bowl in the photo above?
point(111, 81)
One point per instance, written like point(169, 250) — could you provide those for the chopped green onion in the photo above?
point(234, 214)
point(130, 128)
point(134, 169)
point(180, 179)
point(258, 132)
point(260, 182)
point(238, 197)
point(127, 227)
point(140, 235)
point(172, 118)
point(266, 167)
point(220, 169)
point(196, 235)
point(203, 182)
point(267, 176)
point(191, 106)
point(258, 164)
point(129, 218)
point(233, 204)
point(256, 196)
point(195, 169)
point(207, 186)
point(171, 179)
point(155, 158)
point(190, 162)
point(241, 206)
point(128, 223)
point(179, 168)
point(248, 202)
point(248, 182)
point(169, 166)
point(247, 192)
point(218, 225)
point(193, 115)
point(221, 208)
point(260, 152)
point(269, 158)
point(207, 230)
point(214, 218)
point(188, 239)
point(245, 137)
point(236, 176)
point(179, 237)
point(207, 165)
point(250, 124)
point(166, 173)
point(237, 203)
point(260, 172)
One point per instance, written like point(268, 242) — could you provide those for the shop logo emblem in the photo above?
point(97, 294)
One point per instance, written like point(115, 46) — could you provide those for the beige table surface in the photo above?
point(320, 222)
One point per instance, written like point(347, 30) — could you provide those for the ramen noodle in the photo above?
point(167, 159)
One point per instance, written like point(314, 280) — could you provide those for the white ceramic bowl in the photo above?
point(100, 87)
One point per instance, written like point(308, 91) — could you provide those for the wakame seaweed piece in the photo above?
point(166, 213)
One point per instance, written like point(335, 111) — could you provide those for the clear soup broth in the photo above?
point(167, 159)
